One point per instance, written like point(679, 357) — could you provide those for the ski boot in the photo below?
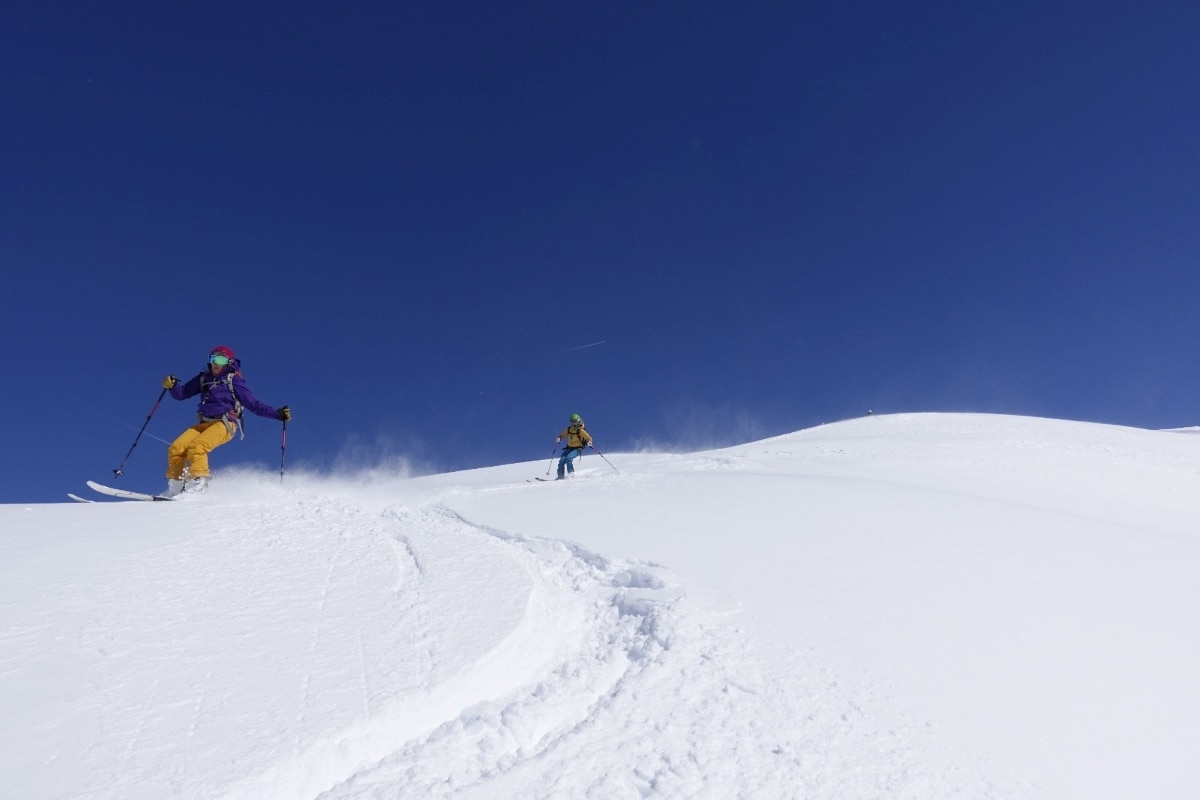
point(196, 485)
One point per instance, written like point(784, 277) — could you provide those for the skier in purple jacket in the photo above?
point(223, 395)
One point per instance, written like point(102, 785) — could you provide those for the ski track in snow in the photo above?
point(571, 701)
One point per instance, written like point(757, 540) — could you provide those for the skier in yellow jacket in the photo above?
point(577, 439)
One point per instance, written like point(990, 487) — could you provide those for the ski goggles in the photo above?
point(219, 360)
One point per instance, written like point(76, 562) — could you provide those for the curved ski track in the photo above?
point(587, 637)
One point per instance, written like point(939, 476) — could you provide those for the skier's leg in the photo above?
point(571, 459)
point(212, 435)
point(177, 452)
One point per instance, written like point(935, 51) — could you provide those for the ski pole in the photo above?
point(120, 470)
point(551, 464)
point(606, 461)
point(282, 450)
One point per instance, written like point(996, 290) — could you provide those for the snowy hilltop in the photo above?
point(913, 606)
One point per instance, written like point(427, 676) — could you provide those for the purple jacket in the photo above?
point(215, 399)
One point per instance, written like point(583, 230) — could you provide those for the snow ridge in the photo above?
point(440, 638)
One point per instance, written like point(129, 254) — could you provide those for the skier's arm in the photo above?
point(182, 391)
point(248, 400)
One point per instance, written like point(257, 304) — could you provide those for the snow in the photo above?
point(909, 606)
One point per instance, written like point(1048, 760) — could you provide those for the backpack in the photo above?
point(236, 415)
point(576, 429)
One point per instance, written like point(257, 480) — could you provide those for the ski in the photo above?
point(79, 499)
point(123, 494)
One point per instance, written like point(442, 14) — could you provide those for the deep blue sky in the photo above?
point(771, 214)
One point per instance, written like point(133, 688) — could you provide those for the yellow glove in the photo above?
point(170, 381)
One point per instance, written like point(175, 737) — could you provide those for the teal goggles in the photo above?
point(219, 360)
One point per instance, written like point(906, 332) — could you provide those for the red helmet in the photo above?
point(222, 350)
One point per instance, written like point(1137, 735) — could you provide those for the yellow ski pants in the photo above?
point(192, 447)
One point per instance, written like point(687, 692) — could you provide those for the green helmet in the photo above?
point(576, 418)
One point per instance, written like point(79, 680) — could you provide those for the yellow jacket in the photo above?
point(576, 436)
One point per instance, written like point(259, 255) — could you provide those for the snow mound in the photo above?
point(918, 606)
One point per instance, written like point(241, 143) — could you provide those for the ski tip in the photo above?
point(124, 494)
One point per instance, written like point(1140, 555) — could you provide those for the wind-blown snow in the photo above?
point(912, 606)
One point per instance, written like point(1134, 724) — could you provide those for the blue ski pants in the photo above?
point(567, 460)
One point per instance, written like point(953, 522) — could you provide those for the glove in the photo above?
point(559, 439)
point(283, 414)
point(170, 381)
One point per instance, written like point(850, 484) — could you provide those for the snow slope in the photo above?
point(912, 606)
